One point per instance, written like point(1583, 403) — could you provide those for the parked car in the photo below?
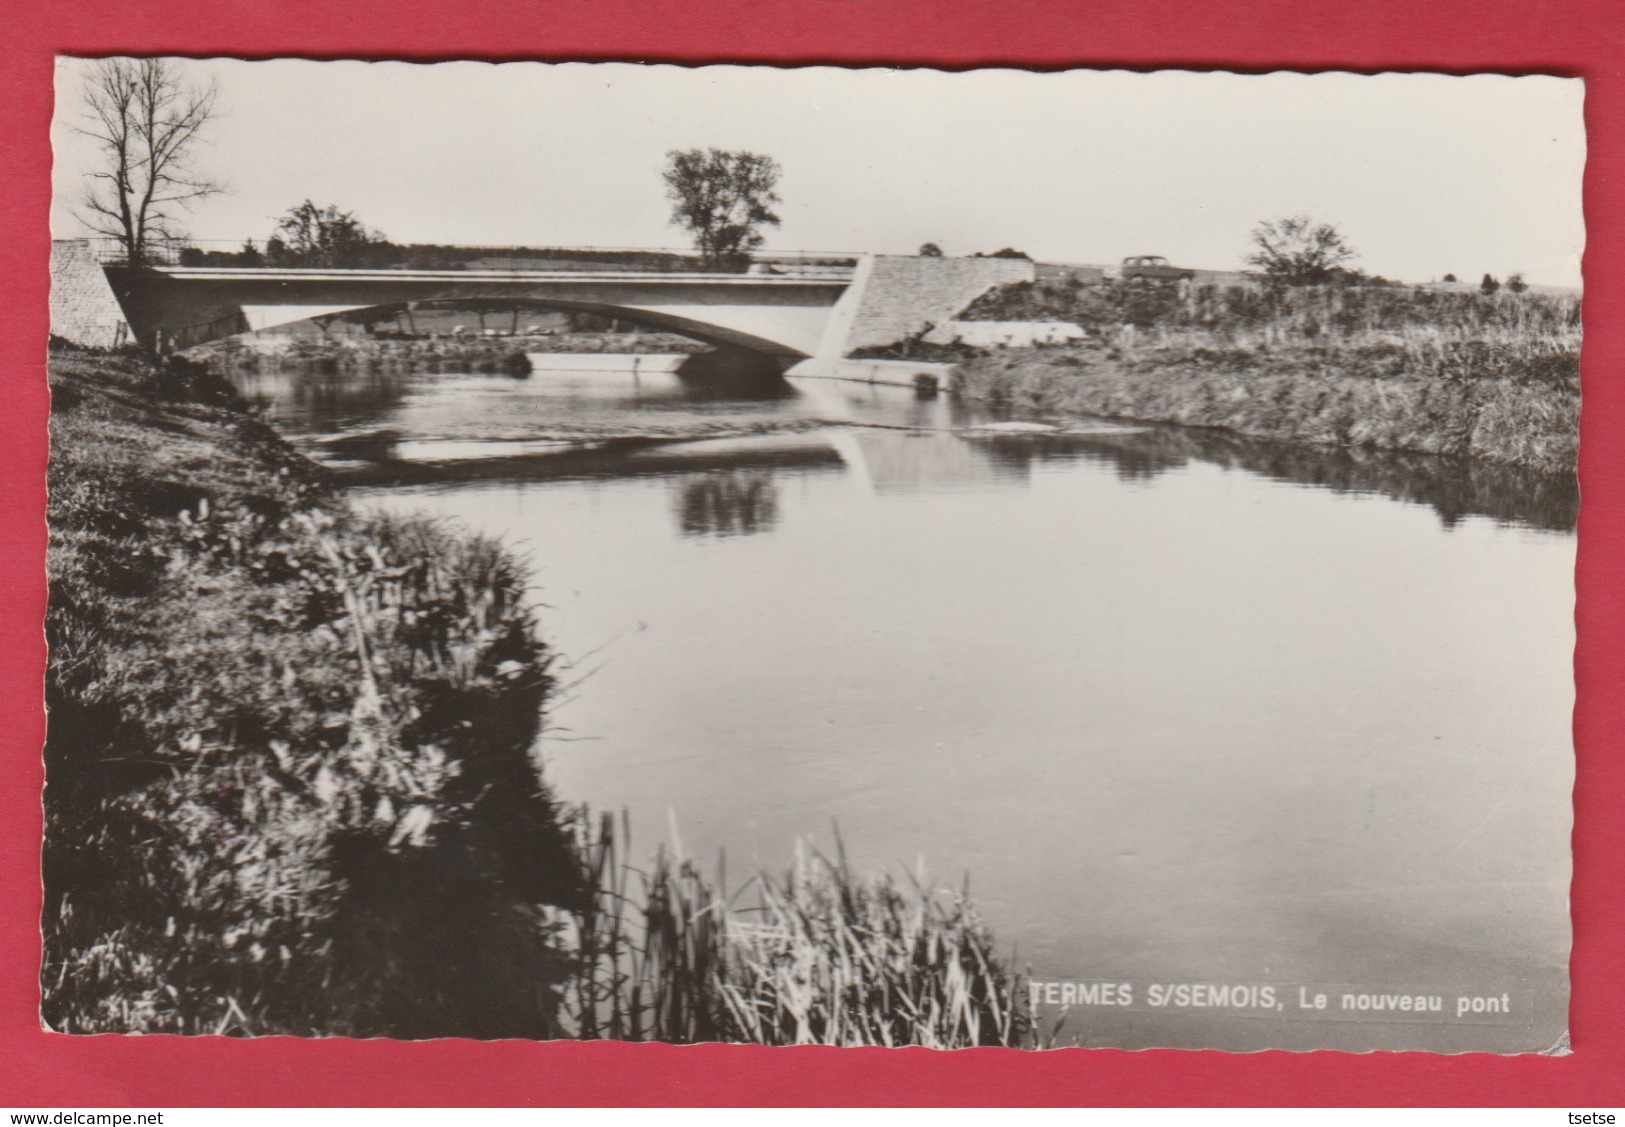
point(1148, 268)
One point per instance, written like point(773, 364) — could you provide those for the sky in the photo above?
point(1424, 174)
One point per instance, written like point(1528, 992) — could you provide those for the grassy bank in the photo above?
point(288, 775)
point(290, 786)
point(1495, 378)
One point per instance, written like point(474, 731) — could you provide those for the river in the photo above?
point(1186, 708)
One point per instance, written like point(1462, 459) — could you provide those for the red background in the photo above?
point(1571, 37)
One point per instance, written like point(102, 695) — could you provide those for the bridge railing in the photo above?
point(155, 252)
point(227, 253)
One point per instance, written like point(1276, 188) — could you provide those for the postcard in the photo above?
point(841, 556)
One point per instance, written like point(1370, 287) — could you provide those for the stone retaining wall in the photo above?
point(905, 294)
point(83, 308)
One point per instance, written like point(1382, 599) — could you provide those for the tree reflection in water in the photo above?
point(726, 504)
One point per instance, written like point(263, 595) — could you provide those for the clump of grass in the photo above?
point(815, 956)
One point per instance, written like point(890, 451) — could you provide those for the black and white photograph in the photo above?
point(863, 557)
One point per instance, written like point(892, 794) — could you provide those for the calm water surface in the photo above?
point(1185, 708)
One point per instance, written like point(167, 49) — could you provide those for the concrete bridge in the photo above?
point(786, 312)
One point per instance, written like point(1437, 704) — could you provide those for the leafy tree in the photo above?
point(1448, 278)
point(146, 119)
point(930, 250)
point(250, 254)
point(1516, 284)
point(1297, 251)
point(323, 236)
point(1006, 252)
point(1489, 285)
point(723, 199)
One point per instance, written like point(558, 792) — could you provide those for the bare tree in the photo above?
point(146, 117)
point(723, 199)
point(1297, 251)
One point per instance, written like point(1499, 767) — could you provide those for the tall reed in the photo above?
point(815, 956)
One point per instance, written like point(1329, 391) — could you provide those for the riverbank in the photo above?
point(270, 717)
point(1465, 400)
point(290, 783)
point(1493, 378)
